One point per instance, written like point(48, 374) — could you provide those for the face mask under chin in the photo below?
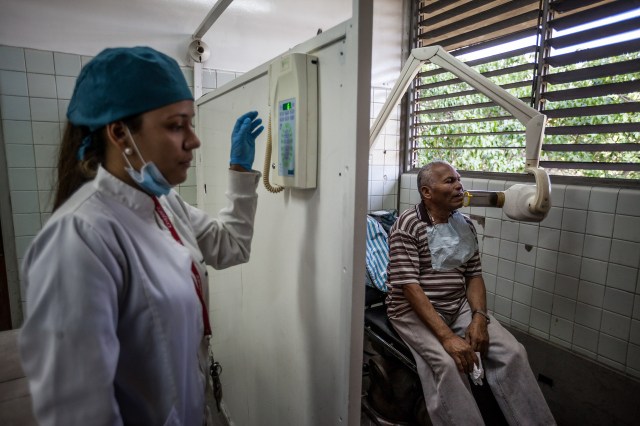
point(149, 178)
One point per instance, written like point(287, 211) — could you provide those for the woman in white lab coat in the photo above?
point(116, 326)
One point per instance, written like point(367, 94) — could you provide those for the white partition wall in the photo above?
point(288, 324)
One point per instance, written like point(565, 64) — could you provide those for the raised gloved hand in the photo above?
point(243, 139)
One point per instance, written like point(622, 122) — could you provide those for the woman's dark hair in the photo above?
point(72, 172)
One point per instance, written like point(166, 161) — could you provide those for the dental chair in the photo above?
point(394, 394)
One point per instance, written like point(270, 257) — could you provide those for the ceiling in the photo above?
point(249, 32)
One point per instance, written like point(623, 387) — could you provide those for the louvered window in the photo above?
point(578, 61)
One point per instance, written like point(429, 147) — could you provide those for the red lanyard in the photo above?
point(197, 281)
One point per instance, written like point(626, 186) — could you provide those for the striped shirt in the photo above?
point(410, 262)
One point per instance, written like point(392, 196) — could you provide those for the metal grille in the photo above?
point(551, 54)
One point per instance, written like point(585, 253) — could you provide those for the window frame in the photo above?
point(408, 107)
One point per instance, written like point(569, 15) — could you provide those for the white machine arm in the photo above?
point(536, 203)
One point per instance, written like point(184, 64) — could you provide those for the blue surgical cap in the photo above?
point(123, 82)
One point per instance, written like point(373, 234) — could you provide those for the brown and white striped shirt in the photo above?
point(410, 262)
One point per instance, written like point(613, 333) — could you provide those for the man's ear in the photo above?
point(425, 192)
point(117, 135)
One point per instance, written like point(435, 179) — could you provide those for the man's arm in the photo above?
point(461, 352)
point(477, 335)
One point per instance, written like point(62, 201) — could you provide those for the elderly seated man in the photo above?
point(437, 304)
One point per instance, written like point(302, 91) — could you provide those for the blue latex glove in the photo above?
point(243, 139)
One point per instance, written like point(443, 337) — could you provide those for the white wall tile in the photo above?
point(596, 247)
point(224, 77)
point(63, 106)
point(612, 348)
point(12, 58)
point(627, 228)
point(490, 245)
point(45, 198)
point(502, 306)
point(509, 230)
point(546, 259)
point(46, 133)
point(20, 156)
point(528, 234)
point(15, 107)
point(569, 264)
point(522, 293)
point(42, 85)
point(564, 307)
point(46, 155)
point(586, 338)
point(508, 250)
point(506, 269)
point(577, 197)
point(549, 238)
point(39, 61)
point(490, 264)
point(64, 86)
point(17, 132)
point(13, 83)
point(26, 224)
point(633, 359)
point(389, 202)
point(44, 109)
point(588, 315)
point(376, 187)
point(45, 178)
point(594, 271)
point(615, 325)
point(625, 253)
point(22, 179)
point(520, 312)
point(634, 333)
point(209, 79)
point(542, 300)
point(603, 199)
point(600, 224)
point(566, 286)
point(628, 202)
point(562, 329)
point(22, 244)
point(544, 280)
point(68, 64)
point(489, 281)
point(404, 195)
point(24, 202)
point(524, 274)
point(591, 293)
point(571, 242)
point(495, 185)
point(540, 320)
point(504, 288)
point(574, 220)
point(553, 219)
point(557, 194)
point(492, 227)
point(621, 277)
point(618, 301)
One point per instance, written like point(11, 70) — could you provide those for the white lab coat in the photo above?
point(114, 327)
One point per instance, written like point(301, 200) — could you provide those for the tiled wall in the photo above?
point(571, 279)
point(384, 157)
point(35, 88)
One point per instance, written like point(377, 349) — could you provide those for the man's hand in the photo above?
point(461, 352)
point(477, 335)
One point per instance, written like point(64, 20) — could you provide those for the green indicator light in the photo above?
point(286, 106)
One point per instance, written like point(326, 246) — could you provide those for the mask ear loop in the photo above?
point(135, 147)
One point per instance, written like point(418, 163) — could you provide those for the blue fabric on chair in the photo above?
point(377, 254)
